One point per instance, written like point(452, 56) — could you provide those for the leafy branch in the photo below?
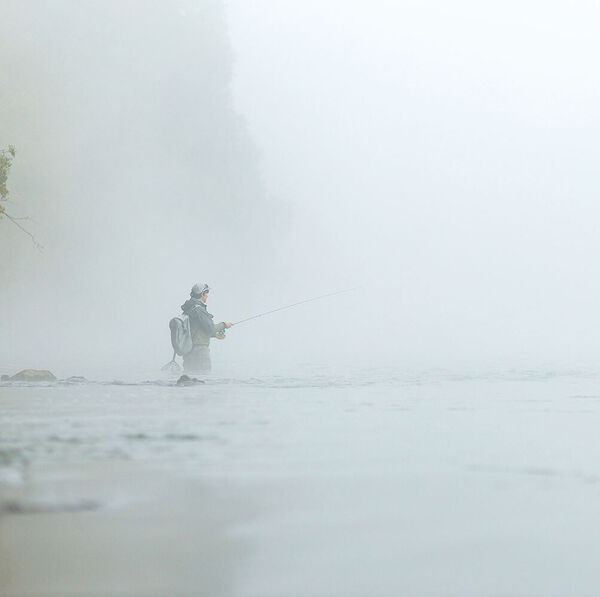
point(6, 160)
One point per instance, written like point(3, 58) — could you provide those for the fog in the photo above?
point(440, 157)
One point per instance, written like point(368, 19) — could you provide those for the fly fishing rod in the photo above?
point(316, 298)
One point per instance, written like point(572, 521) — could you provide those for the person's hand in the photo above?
point(220, 335)
point(228, 324)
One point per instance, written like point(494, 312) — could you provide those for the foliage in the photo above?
point(6, 158)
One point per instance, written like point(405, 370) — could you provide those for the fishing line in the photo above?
point(316, 298)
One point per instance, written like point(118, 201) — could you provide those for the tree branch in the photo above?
point(37, 245)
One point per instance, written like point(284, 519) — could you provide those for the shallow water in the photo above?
point(376, 481)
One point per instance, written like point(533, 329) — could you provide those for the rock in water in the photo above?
point(186, 380)
point(33, 375)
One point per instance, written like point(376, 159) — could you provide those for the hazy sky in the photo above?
point(443, 154)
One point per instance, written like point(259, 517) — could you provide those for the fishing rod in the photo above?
point(316, 298)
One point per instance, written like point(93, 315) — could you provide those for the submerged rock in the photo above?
point(33, 375)
point(186, 380)
point(76, 379)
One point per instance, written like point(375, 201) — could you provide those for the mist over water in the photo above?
point(430, 432)
point(441, 158)
point(139, 177)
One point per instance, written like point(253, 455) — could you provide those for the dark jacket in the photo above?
point(201, 322)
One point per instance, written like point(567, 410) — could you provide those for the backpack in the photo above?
point(181, 335)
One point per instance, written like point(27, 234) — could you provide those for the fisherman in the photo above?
point(202, 329)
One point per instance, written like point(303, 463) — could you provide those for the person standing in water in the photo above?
point(202, 329)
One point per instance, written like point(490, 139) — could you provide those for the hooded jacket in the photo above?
point(201, 322)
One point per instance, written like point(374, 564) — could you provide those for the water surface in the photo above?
point(378, 481)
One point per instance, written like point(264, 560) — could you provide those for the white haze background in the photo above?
point(442, 156)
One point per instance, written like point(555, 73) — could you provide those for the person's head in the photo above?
point(200, 291)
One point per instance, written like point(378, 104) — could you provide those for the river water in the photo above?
point(318, 481)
